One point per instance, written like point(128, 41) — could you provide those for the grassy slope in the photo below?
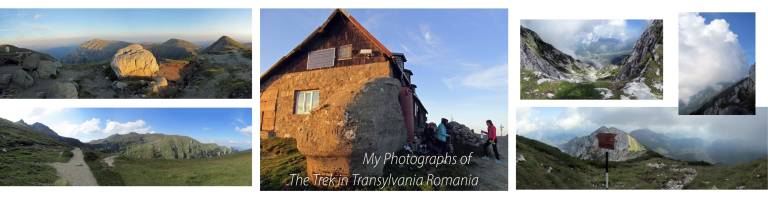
point(567, 172)
point(530, 89)
point(279, 159)
point(571, 173)
point(27, 154)
point(232, 170)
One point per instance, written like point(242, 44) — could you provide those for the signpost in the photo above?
point(606, 141)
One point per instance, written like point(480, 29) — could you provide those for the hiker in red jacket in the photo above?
point(491, 141)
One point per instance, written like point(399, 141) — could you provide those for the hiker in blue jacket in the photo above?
point(442, 134)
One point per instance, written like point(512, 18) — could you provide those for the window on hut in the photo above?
point(306, 101)
point(321, 58)
point(345, 52)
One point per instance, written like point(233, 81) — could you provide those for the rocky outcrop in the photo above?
point(95, 50)
point(21, 67)
point(739, 99)
point(134, 61)
point(461, 134)
point(158, 146)
point(646, 54)
point(626, 147)
point(225, 44)
point(370, 123)
point(540, 56)
point(174, 49)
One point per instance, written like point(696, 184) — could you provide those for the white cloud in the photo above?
point(37, 16)
point(91, 129)
point(567, 35)
point(427, 36)
point(571, 119)
point(30, 115)
point(709, 54)
point(490, 78)
point(248, 130)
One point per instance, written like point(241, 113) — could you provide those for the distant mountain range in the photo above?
point(158, 146)
point(131, 145)
point(98, 50)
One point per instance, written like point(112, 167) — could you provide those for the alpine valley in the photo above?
point(603, 69)
point(642, 159)
point(35, 155)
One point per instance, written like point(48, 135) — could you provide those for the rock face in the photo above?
point(646, 53)
point(159, 146)
point(587, 148)
point(95, 50)
point(223, 45)
point(540, 56)
point(739, 99)
point(174, 49)
point(134, 61)
point(371, 123)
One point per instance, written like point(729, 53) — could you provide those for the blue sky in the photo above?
point(459, 57)
point(41, 27)
point(224, 126)
point(742, 24)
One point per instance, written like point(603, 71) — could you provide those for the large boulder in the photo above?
point(47, 69)
point(63, 90)
point(22, 79)
point(31, 61)
point(134, 61)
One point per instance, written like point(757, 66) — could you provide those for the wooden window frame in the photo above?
point(305, 101)
point(341, 49)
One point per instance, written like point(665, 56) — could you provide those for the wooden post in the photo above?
point(606, 170)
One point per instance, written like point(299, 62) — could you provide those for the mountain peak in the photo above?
point(586, 147)
point(224, 44)
point(21, 122)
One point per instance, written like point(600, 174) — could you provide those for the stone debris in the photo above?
point(461, 134)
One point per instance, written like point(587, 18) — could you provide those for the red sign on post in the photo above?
point(606, 140)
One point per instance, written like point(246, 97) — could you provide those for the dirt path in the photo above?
point(110, 161)
point(493, 176)
point(76, 171)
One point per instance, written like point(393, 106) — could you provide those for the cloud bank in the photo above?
point(568, 35)
point(709, 54)
point(92, 129)
point(544, 123)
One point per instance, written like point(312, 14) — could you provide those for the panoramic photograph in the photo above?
point(591, 59)
point(125, 53)
point(717, 64)
point(639, 148)
point(383, 99)
point(125, 147)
